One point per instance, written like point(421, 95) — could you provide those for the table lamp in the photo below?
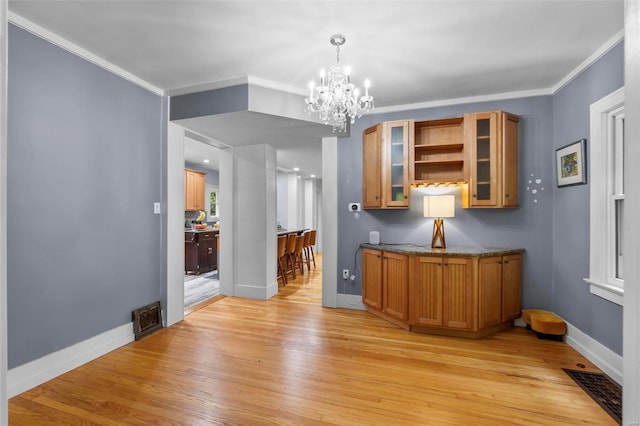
point(439, 206)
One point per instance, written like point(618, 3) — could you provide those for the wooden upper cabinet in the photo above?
point(492, 139)
point(437, 154)
point(385, 161)
point(194, 183)
point(509, 191)
point(372, 167)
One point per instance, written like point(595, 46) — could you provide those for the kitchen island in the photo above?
point(458, 291)
point(200, 250)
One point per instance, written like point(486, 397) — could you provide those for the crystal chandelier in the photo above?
point(336, 98)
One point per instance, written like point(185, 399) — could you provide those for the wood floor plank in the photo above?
point(288, 361)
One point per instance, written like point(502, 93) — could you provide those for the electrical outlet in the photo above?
point(345, 274)
point(354, 207)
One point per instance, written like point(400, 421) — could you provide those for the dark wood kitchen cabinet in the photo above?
point(200, 251)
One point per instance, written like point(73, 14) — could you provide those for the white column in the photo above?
point(631, 317)
point(309, 204)
point(175, 223)
point(292, 202)
point(255, 221)
point(226, 204)
point(3, 214)
point(329, 222)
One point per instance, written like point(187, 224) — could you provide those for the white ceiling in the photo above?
point(412, 51)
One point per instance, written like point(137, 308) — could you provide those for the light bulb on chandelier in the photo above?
point(338, 99)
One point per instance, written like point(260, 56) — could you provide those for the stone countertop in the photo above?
point(455, 251)
point(201, 230)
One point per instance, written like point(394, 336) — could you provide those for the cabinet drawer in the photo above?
point(205, 236)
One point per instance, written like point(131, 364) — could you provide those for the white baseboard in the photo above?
point(249, 291)
point(604, 358)
point(36, 372)
point(350, 301)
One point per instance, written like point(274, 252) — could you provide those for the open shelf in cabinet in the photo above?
point(438, 152)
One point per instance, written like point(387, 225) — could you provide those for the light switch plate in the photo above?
point(156, 208)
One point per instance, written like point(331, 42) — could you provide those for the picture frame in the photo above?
point(571, 163)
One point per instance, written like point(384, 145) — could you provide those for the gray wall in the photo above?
point(571, 298)
point(212, 177)
point(85, 166)
point(525, 226)
point(553, 265)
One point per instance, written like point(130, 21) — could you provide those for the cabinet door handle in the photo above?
point(475, 196)
point(500, 262)
point(506, 261)
point(506, 195)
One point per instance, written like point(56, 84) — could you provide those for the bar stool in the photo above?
point(297, 255)
point(290, 254)
point(306, 256)
point(282, 259)
point(312, 242)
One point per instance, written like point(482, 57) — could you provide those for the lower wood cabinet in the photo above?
point(467, 296)
point(372, 275)
point(395, 285)
point(200, 251)
point(386, 275)
point(442, 292)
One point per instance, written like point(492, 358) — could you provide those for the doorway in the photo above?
point(201, 224)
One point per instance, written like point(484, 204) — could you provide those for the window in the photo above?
point(213, 204)
point(606, 266)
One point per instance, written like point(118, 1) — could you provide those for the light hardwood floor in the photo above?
point(288, 361)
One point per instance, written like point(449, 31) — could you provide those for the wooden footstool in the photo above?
point(547, 325)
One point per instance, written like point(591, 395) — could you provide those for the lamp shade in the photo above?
point(439, 206)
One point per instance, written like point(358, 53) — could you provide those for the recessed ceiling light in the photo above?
point(206, 160)
point(295, 169)
point(312, 176)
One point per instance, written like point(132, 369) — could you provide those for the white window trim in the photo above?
point(601, 160)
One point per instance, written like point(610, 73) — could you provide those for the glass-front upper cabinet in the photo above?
point(385, 171)
point(395, 164)
point(493, 159)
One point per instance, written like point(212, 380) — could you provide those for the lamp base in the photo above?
point(438, 234)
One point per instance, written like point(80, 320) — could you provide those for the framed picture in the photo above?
point(571, 163)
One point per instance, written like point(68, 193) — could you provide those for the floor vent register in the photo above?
point(603, 390)
point(146, 320)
